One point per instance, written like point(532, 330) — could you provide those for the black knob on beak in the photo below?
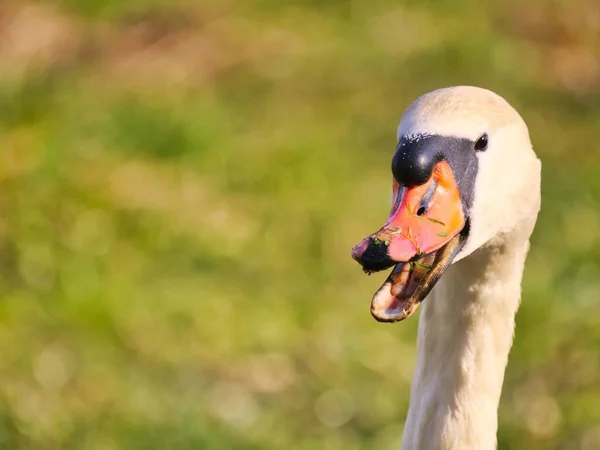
point(414, 160)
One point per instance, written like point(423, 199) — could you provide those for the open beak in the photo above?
point(424, 232)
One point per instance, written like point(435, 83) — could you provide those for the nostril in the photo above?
point(426, 200)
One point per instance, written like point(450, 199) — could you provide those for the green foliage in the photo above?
point(182, 183)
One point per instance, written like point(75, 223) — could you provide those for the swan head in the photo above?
point(464, 176)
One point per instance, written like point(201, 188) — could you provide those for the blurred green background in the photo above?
point(181, 185)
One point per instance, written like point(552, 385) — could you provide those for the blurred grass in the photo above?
point(181, 185)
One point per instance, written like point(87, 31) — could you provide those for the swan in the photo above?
point(465, 199)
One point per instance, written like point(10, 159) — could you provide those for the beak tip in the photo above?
point(359, 249)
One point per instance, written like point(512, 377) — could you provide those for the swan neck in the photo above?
point(465, 334)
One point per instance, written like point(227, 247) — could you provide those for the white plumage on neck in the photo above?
point(465, 335)
point(467, 322)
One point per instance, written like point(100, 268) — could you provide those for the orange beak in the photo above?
point(413, 228)
point(423, 230)
point(417, 230)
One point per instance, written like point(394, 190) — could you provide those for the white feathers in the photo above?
point(467, 322)
point(414, 137)
point(462, 111)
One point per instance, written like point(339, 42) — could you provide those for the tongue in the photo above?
point(410, 282)
point(394, 300)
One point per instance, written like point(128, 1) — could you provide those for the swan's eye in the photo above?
point(482, 143)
